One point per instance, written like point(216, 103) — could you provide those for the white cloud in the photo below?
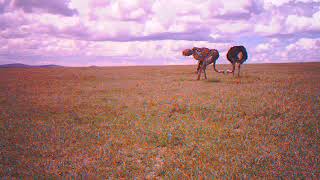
point(99, 26)
point(305, 44)
point(263, 47)
point(153, 26)
point(301, 23)
point(220, 8)
point(274, 26)
point(271, 45)
point(269, 3)
point(234, 27)
point(307, 1)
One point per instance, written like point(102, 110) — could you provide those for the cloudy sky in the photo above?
point(154, 32)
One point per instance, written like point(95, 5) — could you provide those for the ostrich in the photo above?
point(205, 57)
point(236, 54)
point(198, 54)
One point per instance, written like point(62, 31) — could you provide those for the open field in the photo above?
point(160, 122)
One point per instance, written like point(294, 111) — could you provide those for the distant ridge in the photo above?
point(19, 65)
point(49, 65)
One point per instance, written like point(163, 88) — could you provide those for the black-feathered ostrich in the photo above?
point(237, 55)
point(205, 57)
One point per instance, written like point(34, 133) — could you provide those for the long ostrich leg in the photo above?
point(199, 73)
point(199, 66)
point(205, 74)
point(239, 70)
point(233, 68)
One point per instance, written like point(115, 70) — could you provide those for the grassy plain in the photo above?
point(150, 122)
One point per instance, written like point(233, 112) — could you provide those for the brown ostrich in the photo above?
point(198, 54)
point(236, 55)
point(205, 57)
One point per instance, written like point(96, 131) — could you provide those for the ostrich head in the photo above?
point(187, 52)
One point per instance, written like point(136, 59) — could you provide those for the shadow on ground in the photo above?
point(213, 81)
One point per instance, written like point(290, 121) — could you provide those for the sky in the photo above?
point(154, 32)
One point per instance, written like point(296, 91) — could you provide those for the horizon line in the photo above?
point(144, 65)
